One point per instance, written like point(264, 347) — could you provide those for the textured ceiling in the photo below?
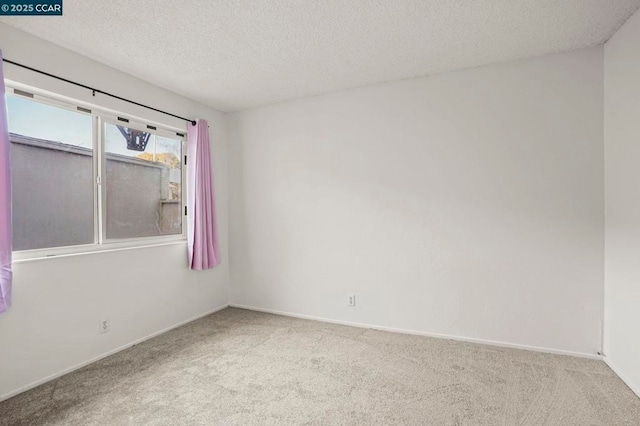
point(234, 55)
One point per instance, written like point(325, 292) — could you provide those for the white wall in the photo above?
point(622, 178)
point(467, 204)
point(57, 303)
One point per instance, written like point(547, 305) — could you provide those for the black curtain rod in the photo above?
point(94, 90)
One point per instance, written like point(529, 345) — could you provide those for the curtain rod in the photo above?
point(94, 90)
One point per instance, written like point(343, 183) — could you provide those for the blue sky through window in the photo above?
point(41, 121)
point(34, 119)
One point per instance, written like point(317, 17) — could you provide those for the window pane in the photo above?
point(52, 175)
point(143, 183)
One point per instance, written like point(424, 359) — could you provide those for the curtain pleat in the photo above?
point(6, 274)
point(202, 233)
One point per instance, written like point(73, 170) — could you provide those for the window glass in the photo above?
point(66, 194)
point(52, 175)
point(142, 183)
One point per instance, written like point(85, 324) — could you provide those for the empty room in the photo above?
point(320, 212)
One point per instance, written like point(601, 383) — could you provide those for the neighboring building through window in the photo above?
point(143, 188)
point(81, 177)
point(52, 175)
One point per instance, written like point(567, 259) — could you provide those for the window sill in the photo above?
point(44, 254)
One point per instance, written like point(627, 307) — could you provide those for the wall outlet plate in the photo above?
point(104, 325)
point(351, 300)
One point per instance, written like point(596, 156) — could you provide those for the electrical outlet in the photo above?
point(351, 300)
point(105, 325)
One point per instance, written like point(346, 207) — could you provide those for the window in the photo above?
point(143, 183)
point(52, 175)
point(83, 177)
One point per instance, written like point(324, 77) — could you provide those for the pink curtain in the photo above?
point(5, 203)
point(201, 217)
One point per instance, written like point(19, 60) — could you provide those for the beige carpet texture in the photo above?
point(239, 367)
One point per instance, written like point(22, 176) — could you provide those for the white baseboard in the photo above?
point(422, 333)
point(99, 357)
point(635, 388)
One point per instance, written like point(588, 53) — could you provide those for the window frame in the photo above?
point(100, 117)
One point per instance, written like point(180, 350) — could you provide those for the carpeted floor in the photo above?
point(239, 367)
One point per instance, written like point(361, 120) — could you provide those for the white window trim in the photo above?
point(100, 116)
point(81, 250)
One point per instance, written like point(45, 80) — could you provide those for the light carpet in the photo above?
point(239, 367)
